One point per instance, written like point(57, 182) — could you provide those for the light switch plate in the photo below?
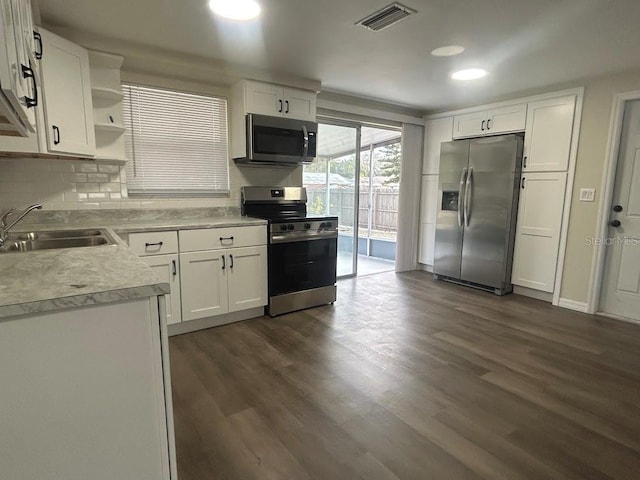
point(587, 194)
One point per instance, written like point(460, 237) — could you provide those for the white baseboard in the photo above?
point(425, 268)
point(573, 305)
point(619, 318)
point(202, 323)
point(531, 293)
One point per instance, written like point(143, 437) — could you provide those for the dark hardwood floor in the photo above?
point(409, 378)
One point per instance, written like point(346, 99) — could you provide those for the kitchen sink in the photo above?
point(56, 234)
point(30, 241)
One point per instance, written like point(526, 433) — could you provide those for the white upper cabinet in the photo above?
point(299, 104)
point(435, 132)
point(18, 75)
point(547, 140)
point(507, 119)
point(67, 92)
point(469, 124)
point(279, 101)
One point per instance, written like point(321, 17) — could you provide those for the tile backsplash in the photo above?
point(80, 185)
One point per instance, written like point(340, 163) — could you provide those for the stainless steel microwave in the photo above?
point(279, 141)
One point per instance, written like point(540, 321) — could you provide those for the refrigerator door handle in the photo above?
point(468, 192)
point(463, 178)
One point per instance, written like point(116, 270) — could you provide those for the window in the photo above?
point(176, 143)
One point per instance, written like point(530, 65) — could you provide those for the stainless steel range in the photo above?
point(302, 249)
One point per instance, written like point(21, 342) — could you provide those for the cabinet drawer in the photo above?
point(154, 243)
point(212, 238)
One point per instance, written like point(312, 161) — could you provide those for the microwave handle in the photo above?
point(305, 139)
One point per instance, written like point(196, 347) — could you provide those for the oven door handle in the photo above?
point(305, 142)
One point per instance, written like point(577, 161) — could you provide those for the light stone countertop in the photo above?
point(49, 280)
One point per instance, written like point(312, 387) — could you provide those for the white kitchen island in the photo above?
point(84, 367)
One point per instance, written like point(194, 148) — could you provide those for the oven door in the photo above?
point(298, 266)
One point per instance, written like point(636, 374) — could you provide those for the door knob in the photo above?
point(615, 223)
point(617, 208)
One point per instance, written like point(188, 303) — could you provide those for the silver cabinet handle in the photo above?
point(468, 191)
point(463, 177)
point(305, 140)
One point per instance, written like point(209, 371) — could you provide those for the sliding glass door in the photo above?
point(356, 177)
point(332, 187)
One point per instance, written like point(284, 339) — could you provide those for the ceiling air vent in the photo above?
point(385, 17)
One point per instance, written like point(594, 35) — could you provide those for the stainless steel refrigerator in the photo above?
point(478, 204)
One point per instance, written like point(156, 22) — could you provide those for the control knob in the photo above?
point(283, 228)
point(290, 226)
point(307, 226)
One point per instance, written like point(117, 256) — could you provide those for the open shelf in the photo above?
point(110, 127)
point(106, 94)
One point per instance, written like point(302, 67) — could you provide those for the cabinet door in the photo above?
point(547, 138)
point(67, 95)
point(300, 104)
point(470, 124)
point(429, 197)
point(507, 119)
point(204, 284)
point(427, 243)
point(13, 58)
point(247, 278)
point(435, 132)
point(84, 397)
point(538, 230)
point(167, 270)
point(264, 99)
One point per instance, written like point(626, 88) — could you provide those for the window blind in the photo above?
point(176, 142)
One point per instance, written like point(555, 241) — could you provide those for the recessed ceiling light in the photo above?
point(448, 51)
point(469, 74)
point(235, 9)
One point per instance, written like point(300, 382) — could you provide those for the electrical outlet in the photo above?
point(587, 194)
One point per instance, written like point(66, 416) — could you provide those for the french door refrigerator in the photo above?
point(478, 203)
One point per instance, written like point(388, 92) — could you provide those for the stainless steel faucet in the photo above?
point(4, 228)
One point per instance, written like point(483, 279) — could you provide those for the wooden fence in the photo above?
point(383, 203)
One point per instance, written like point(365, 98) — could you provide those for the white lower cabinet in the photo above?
point(538, 230)
point(204, 284)
point(246, 278)
point(216, 280)
point(86, 394)
point(428, 215)
point(167, 269)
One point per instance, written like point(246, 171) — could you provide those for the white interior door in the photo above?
point(621, 288)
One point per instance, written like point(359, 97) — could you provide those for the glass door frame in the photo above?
point(356, 187)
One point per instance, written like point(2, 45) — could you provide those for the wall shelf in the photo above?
point(110, 127)
point(106, 94)
point(107, 99)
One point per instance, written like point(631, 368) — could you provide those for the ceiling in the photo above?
point(525, 44)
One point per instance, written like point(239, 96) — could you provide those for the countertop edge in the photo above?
point(83, 300)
